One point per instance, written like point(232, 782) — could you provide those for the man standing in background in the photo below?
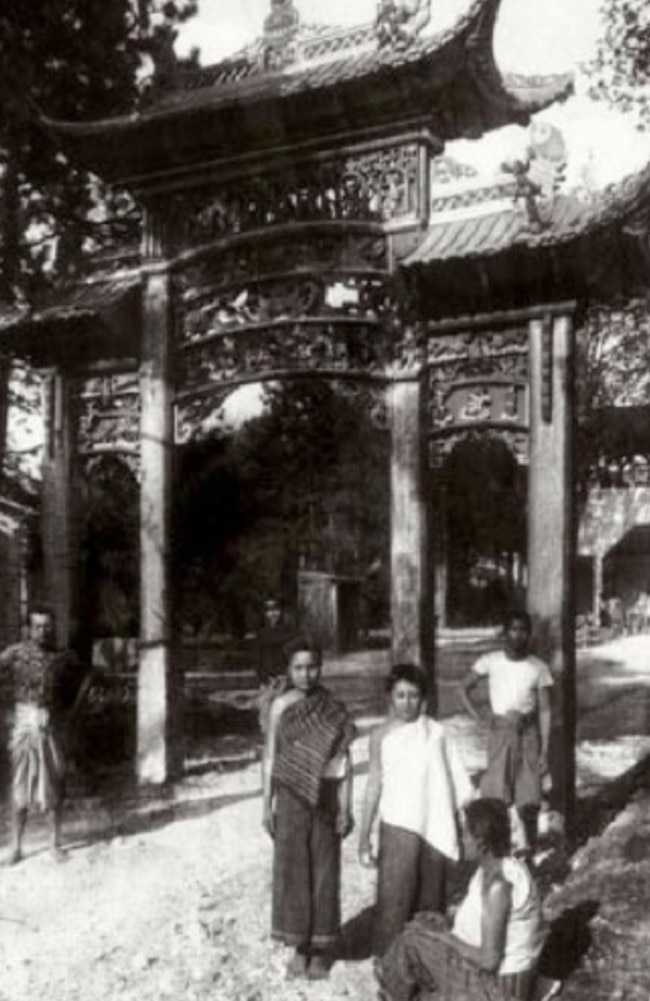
point(31, 677)
point(520, 725)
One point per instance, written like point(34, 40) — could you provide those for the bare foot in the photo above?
point(319, 967)
point(297, 966)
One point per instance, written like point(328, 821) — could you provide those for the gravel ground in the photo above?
point(181, 908)
point(170, 897)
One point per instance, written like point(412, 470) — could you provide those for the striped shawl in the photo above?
point(310, 733)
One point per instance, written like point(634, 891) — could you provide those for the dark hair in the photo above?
point(298, 644)
point(489, 825)
point(407, 672)
point(41, 609)
point(517, 615)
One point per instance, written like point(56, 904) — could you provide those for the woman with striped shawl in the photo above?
point(307, 811)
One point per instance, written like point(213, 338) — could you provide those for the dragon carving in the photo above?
point(397, 25)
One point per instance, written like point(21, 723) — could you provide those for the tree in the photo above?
point(69, 59)
point(304, 484)
point(613, 373)
point(621, 69)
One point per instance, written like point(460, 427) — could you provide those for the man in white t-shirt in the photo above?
point(520, 725)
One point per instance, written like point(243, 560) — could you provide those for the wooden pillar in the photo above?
point(441, 570)
point(411, 577)
point(5, 377)
point(597, 586)
point(155, 715)
point(58, 513)
point(551, 536)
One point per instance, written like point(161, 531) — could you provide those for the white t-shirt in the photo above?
point(513, 684)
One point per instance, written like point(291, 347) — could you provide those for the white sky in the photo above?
point(532, 36)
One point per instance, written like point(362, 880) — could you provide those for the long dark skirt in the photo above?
point(420, 966)
point(412, 877)
point(306, 906)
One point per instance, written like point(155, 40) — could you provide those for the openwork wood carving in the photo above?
point(108, 418)
point(379, 185)
point(442, 446)
point(307, 250)
point(478, 384)
point(264, 309)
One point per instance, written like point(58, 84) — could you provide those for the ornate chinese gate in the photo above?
point(283, 190)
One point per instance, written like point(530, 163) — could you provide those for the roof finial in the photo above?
point(280, 31)
point(399, 24)
point(540, 176)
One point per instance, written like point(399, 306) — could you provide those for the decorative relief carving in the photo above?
point(319, 253)
point(441, 447)
point(397, 25)
point(108, 416)
point(540, 175)
point(478, 384)
point(287, 347)
point(371, 186)
point(281, 28)
point(492, 401)
point(208, 312)
point(476, 354)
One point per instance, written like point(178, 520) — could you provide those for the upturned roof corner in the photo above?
point(365, 76)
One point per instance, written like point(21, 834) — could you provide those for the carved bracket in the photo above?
point(441, 446)
point(108, 418)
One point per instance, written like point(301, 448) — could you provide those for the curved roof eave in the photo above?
point(624, 204)
point(97, 143)
point(520, 95)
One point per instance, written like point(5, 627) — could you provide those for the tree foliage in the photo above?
point(67, 59)
point(621, 69)
point(303, 485)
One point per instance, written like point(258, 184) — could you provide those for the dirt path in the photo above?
point(177, 904)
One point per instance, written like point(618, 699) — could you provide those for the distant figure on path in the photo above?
point(32, 677)
point(491, 951)
point(270, 642)
point(417, 784)
point(520, 726)
point(307, 791)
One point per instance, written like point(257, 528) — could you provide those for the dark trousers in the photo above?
point(306, 871)
point(421, 965)
point(412, 877)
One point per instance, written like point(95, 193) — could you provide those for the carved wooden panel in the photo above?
point(108, 417)
point(441, 446)
point(478, 384)
point(372, 185)
point(263, 308)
